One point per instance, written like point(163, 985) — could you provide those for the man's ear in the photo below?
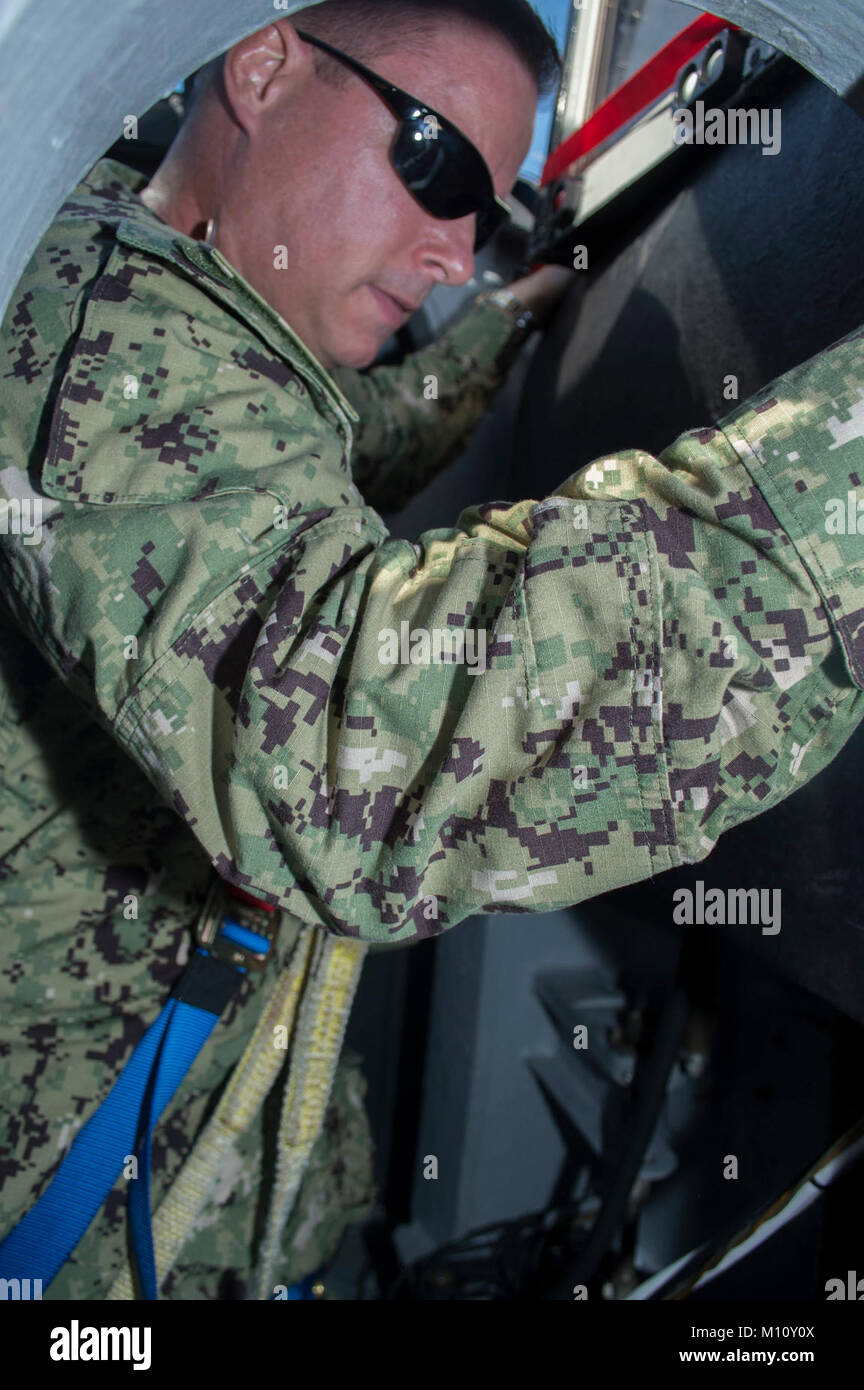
point(263, 69)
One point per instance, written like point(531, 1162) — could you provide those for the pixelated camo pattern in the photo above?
point(193, 676)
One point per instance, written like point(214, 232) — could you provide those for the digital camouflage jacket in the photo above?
point(216, 658)
point(101, 881)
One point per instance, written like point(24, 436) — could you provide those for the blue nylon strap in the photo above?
point(44, 1238)
point(187, 1031)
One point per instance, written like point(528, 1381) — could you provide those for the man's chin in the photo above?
point(357, 358)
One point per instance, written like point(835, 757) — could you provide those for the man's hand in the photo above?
point(543, 290)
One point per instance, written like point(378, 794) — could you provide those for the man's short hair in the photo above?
point(367, 28)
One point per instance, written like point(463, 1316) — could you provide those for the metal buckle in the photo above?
point(219, 906)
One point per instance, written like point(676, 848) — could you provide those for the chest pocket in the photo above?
point(168, 396)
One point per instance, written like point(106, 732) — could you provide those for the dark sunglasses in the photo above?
point(437, 164)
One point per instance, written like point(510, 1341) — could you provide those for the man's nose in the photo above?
point(447, 250)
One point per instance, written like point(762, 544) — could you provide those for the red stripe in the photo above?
point(645, 86)
point(248, 899)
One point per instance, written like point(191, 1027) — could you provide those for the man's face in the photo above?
point(312, 173)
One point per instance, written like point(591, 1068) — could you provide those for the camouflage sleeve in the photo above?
point(418, 418)
point(547, 701)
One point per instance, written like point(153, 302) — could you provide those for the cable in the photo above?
point(502, 1261)
point(533, 1254)
point(652, 1079)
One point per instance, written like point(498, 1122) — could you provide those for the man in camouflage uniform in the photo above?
point(198, 670)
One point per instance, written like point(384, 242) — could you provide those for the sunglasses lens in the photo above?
point(437, 169)
point(446, 175)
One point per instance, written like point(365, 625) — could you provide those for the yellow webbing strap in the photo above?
point(252, 1079)
point(323, 1018)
